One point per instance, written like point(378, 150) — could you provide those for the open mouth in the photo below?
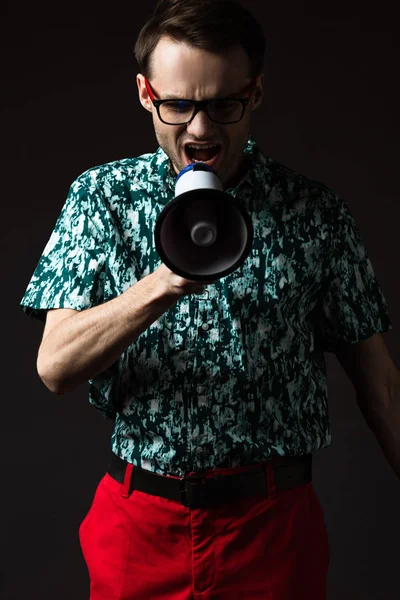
point(207, 154)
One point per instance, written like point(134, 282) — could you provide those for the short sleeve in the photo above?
point(70, 271)
point(351, 306)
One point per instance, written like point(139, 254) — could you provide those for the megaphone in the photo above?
point(203, 234)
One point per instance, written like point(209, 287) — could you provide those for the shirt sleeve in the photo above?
point(351, 306)
point(70, 271)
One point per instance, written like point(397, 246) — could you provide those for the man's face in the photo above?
point(193, 74)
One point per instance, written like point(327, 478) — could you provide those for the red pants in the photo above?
point(144, 547)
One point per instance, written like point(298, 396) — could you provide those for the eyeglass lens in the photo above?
point(181, 111)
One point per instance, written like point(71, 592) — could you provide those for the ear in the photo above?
point(143, 93)
point(258, 92)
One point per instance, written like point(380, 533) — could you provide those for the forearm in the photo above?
point(86, 344)
point(383, 419)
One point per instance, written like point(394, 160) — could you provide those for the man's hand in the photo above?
point(175, 285)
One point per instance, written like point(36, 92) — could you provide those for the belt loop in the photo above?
point(127, 481)
point(270, 473)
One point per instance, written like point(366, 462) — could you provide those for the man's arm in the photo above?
point(85, 344)
point(376, 381)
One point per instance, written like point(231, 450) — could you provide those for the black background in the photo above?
point(69, 102)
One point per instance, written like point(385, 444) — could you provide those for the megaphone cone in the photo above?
point(203, 234)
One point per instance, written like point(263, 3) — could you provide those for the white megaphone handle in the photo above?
point(202, 222)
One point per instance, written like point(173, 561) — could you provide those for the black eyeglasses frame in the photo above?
point(201, 104)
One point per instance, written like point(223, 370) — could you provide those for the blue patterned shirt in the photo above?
point(238, 374)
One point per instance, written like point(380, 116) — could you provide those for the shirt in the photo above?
point(238, 374)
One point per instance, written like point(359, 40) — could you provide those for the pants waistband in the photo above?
point(265, 479)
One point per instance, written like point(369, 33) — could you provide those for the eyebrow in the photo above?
point(219, 96)
point(172, 97)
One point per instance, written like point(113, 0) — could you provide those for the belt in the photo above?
point(197, 490)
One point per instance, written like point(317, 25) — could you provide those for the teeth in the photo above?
point(201, 147)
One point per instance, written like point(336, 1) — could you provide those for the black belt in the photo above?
point(196, 491)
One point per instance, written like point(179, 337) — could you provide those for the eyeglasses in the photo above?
point(220, 110)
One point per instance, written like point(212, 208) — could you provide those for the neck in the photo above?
point(238, 175)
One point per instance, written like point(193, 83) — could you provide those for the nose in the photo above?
point(201, 125)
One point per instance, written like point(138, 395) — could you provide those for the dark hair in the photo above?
point(212, 25)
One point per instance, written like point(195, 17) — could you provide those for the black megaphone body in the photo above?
point(203, 234)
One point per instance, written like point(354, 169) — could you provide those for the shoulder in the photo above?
point(291, 187)
point(287, 184)
point(116, 173)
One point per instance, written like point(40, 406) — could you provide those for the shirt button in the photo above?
point(205, 326)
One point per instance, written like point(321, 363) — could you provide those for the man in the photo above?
point(219, 398)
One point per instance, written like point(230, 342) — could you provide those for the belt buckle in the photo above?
point(188, 483)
